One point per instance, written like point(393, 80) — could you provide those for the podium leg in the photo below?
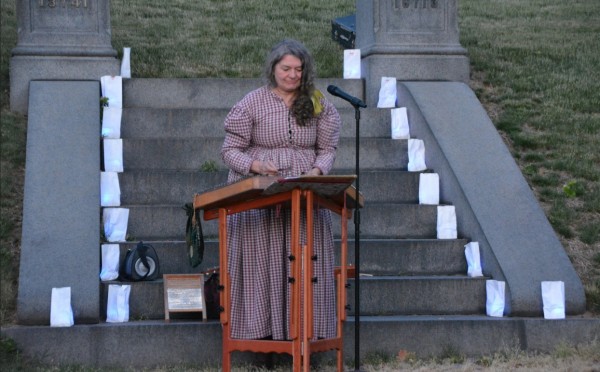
point(224, 295)
point(341, 297)
point(307, 282)
point(296, 300)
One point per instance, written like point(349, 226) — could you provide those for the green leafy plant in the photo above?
point(103, 103)
point(573, 189)
point(209, 166)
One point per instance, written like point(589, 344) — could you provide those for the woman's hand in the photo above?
point(314, 172)
point(264, 168)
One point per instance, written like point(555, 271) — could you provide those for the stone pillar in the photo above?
point(60, 40)
point(412, 40)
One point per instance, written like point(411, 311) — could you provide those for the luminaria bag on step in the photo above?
point(553, 299)
point(495, 294)
point(193, 235)
point(110, 262)
point(61, 312)
point(141, 263)
point(117, 306)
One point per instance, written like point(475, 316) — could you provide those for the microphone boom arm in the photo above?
point(335, 91)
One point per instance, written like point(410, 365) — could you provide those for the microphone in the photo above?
point(333, 90)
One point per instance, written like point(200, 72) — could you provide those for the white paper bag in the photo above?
point(115, 223)
point(352, 64)
point(553, 298)
point(61, 313)
point(400, 128)
point(473, 260)
point(387, 93)
point(117, 307)
point(111, 122)
point(126, 64)
point(446, 222)
point(110, 192)
point(416, 155)
point(112, 88)
point(429, 188)
point(113, 155)
point(110, 262)
point(494, 305)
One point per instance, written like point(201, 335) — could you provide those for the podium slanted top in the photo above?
point(331, 187)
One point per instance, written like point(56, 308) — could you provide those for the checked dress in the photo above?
point(261, 127)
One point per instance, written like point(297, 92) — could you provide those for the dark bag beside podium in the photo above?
point(193, 235)
point(141, 263)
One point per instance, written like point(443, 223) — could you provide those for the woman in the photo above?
point(285, 128)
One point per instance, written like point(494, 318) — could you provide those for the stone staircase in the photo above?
point(415, 294)
point(407, 271)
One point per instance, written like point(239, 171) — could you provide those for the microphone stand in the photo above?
point(357, 248)
point(357, 104)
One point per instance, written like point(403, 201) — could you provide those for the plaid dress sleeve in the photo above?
point(328, 132)
point(238, 129)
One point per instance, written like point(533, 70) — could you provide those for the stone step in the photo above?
point(213, 92)
point(147, 187)
point(419, 295)
point(410, 256)
point(378, 220)
point(190, 342)
point(380, 295)
point(379, 256)
point(171, 187)
point(193, 153)
point(147, 122)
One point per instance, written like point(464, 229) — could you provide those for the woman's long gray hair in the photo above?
point(302, 108)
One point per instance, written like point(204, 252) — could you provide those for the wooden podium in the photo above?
point(305, 192)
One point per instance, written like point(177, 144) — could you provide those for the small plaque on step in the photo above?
point(184, 293)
